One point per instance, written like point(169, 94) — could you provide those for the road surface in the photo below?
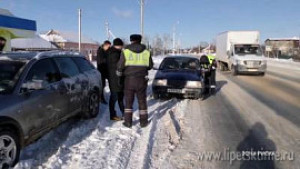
point(247, 113)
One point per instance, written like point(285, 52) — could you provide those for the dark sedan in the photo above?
point(38, 91)
point(178, 76)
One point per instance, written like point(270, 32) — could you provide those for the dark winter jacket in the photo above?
point(134, 71)
point(112, 64)
point(102, 60)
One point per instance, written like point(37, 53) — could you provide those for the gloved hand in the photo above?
point(119, 73)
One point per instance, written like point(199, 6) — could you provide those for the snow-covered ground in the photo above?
point(101, 143)
point(284, 63)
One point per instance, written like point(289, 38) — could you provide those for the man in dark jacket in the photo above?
point(102, 65)
point(2, 43)
point(134, 64)
point(116, 90)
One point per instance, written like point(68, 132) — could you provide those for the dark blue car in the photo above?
point(178, 76)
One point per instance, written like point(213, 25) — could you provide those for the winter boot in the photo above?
point(144, 120)
point(128, 120)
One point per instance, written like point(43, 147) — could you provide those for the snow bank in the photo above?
point(284, 63)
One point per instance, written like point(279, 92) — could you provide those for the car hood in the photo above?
point(178, 75)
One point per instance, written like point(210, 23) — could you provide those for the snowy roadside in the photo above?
point(284, 63)
point(101, 143)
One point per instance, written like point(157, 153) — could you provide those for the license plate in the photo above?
point(174, 91)
point(252, 70)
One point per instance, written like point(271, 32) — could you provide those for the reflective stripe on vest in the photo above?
point(210, 58)
point(137, 59)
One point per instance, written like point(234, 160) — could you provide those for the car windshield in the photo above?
point(9, 71)
point(248, 49)
point(180, 64)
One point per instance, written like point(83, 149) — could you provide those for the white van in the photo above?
point(240, 52)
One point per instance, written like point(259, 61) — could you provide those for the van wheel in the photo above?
point(9, 148)
point(93, 106)
point(233, 70)
point(222, 66)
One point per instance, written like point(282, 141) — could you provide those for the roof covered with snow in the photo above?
point(65, 36)
point(32, 43)
point(284, 39)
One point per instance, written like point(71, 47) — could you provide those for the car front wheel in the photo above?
point(93, 106)
point(234, 71)
point(9, 148)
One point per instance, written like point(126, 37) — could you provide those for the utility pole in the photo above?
point(174, 38)
point(79, 29)
point(142, 17)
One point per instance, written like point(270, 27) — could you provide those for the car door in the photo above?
point(42, 108)
point(93, 76)
point(71, 79)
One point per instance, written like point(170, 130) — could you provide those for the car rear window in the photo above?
point(83, 64)
point(67, 67)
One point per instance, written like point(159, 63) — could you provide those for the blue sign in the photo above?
point(17, 23)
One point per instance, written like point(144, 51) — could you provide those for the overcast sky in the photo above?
point(199, 20)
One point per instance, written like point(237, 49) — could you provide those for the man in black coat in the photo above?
point(116, 89)
point(102, 65)
point(2, 43)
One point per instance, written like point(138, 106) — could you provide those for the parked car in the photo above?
point(178, 76)
point(40, 90)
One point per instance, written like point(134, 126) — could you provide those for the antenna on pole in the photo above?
point(79, 30)
point(107, 30)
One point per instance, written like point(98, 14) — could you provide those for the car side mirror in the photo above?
point(228, 54)
point(34, 85)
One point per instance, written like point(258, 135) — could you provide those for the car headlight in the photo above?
point(160, 82)
point(193, 84)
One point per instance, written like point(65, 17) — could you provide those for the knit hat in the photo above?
point(136, 38)
point(107, 42)
point(118, 42)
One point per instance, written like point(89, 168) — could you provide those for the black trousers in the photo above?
point(136, 86)
point(114, 97)
point(213, 77)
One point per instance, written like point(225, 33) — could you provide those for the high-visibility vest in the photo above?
point(137, 59)
point(211, 58)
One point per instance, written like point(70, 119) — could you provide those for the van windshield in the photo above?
point(248, 49)
point(9, 74)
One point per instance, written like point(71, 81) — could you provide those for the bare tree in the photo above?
point(157, 45)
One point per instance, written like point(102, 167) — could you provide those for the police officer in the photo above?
point(210, 64)
point(213, 67)
point(134, 64)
